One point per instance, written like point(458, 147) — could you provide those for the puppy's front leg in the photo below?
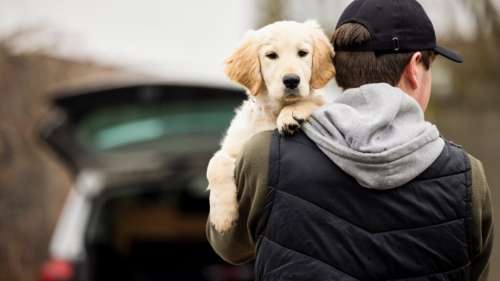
point(223, 201)
point(292, 116)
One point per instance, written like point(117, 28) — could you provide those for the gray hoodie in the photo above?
point(377, 134)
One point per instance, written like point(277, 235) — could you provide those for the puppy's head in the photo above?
point(286, 59)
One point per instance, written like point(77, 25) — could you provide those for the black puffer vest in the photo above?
point(320, 224)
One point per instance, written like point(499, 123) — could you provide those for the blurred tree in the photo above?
point(32, 184)
point(487, 18)
point(269, 11)
point(475, 83)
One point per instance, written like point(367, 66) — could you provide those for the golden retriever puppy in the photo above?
point(280, 65)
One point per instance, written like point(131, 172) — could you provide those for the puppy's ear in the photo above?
point(243, 65)
point(322, 65)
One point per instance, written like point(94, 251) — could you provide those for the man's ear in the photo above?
point(243, 65)
point(410, 73)
point(322, 65)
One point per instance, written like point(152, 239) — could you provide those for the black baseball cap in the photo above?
point(395, 26)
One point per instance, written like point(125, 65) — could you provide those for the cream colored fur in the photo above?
point(254, 66)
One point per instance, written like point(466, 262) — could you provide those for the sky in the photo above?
point(171, 39)
point(174, 40)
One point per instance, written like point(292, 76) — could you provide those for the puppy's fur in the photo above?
point(260, 64)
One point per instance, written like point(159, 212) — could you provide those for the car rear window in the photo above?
point(160, 127)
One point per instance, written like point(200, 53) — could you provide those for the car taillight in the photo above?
point(57, 270)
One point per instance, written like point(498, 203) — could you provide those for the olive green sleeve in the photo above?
point(237, 246)
point(482, 222)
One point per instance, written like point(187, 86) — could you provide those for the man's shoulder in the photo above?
point(253, 161)
point(474, 162)
point(479, 182)
point(257, 147)
point(476, 168)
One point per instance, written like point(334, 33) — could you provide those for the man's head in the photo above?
point(409, 71)
point(380, 41)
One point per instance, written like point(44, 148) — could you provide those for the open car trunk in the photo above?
point(94, 128)
point(151, 143)
point(155, 231)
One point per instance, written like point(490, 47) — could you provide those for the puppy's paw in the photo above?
point(292, 116)
point(223, 207)
point(288, 122)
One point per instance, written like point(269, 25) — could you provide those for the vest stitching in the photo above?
point(274, 158)
point(414, 180)
point(304, 254)
point(369, 231)
point(465, 223)
point(271, 201)
point(464, 267)
point(440, 177)
point(399, 279)
point(468, 203)
point(264, 218)
point(279, 160)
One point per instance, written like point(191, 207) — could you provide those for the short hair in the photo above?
point(358, 68)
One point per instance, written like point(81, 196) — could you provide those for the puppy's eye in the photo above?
point(302, 53)
point(272, 56)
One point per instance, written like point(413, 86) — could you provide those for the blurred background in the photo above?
point(79, 78)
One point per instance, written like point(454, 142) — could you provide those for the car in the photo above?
point(138, 206)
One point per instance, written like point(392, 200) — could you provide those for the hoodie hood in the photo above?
point(377, 134)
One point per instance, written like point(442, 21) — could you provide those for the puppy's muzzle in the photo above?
point(291, 81)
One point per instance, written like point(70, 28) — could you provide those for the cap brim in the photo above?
point(449, 54)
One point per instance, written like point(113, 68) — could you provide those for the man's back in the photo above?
point(320, 224)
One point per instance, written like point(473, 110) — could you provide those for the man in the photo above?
point(369, 190)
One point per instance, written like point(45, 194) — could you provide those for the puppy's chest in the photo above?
point(263, 119)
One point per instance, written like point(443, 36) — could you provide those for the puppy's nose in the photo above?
point(291, 81)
